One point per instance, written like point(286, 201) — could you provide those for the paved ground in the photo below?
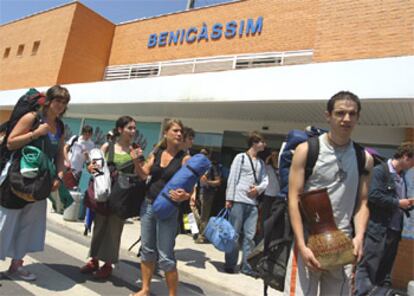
point(200, 267)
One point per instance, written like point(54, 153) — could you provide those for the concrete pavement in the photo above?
point(199, 261)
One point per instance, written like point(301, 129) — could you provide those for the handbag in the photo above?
point(91, 203)
point(221, 233)
point(127, 194)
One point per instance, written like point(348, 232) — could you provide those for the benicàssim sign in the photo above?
point(229, 30)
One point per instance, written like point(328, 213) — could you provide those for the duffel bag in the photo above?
point(221, 233)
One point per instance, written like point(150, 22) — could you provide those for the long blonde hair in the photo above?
point(163, 143)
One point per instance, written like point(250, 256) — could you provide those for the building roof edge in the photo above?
point(178, 12)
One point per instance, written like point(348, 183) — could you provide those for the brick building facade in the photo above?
point(71, 44)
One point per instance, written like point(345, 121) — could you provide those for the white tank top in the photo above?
point(337, 170)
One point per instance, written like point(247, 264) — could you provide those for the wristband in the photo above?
point(59, 179)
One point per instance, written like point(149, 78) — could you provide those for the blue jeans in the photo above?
point(243, 217)
point(158, 238)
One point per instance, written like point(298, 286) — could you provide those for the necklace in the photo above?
point(339, 151)
point(341, 174)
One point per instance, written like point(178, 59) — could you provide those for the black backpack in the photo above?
point(270, 257)
point(31, 101)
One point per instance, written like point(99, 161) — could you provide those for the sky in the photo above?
point(115, 10)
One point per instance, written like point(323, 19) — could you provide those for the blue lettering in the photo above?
point(241, 29)
point(216, 31)
point(174, 37)
point(203, 34)
point(250, 28)
point(182, 36)
point(152, 40)
point(163, 39)
point(231, 29)
point(192, 30)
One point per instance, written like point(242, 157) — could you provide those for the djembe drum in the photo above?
point(331, 247)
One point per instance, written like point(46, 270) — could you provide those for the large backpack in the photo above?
point(310, 134)
point(31, 101)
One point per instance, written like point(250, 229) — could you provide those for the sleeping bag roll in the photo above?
point(185, 178)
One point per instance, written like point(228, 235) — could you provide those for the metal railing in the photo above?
point(208, 64)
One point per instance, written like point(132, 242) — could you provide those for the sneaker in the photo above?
point(91, 266)
point(103, 273)
point(22, 273)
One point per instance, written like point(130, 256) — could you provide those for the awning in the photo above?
point(282, 93)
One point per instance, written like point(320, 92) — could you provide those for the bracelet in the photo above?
point(59, 179)
point(31, 136)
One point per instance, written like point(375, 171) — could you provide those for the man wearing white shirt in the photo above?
point(76, 150)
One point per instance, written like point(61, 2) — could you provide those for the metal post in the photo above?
point(190, 4)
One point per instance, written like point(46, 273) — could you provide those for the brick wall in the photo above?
point(51, 29)
point(76, 44)
point(87, 48)
point(364, 29)
point(339, 30)
point(288, 25)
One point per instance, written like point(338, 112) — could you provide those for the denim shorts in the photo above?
point(158, 238)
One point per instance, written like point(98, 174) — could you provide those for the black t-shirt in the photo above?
point(160, 176)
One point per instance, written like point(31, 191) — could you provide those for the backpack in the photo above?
point(270, 257)
point(72, 142)
point(101, 177)
point(31, 101)
point(310, 134)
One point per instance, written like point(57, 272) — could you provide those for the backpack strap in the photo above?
point(241, 164)
point(111, 157)
point(312, 156)
point(253, 169)
point(111, 152)
point(74, 140)
point(361, 159)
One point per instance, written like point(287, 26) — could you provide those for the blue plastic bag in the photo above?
point(221, 233)
point(185, 178)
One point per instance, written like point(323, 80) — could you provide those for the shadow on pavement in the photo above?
point(192, 257)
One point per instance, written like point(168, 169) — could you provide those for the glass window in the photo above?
point(72, 127)
point(147, 136)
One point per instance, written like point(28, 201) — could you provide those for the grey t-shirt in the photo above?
point(342, 190)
